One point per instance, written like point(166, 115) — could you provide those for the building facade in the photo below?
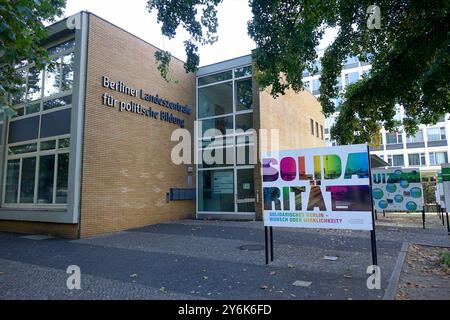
point(90, 149)
point(427, 150)
point(246, 121)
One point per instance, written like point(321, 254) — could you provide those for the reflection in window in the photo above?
point(31, 164)
point(46, 175)
point(418, 137)
point(19, 95)
point(62, 178)
point(12, 181)
point(52, 78)
point(244, 95)
point(58, 102)
point(218, 77)
point(243, 72)
point(69, 44)
point(25, 148)
point(64, 143)
point(27, 181)
point(19, 112)
point(32, 108)
point(222, 124)
point(244, 121)
point(215, 100)
point(34, 84)
point(216, 157)
point(48, 145)
point(57, 76)
point(67, 71)
point(216, 191)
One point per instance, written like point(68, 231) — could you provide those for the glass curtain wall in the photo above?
point(226, 144)
point(38, 136)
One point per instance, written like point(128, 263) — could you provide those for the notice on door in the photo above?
point(223, 182)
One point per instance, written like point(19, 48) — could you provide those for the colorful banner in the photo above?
point(397, 189)
point(325, 188)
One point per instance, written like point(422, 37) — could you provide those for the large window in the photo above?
point(225, 103)
point(418, 137)
point(394, 137)
point(436, 134)
point(396, 160)
point(417, 159)
point(38, 137)
point(438, 158)
point(215, 100)
point(37, 173)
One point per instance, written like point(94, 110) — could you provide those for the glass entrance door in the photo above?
point(245, 190)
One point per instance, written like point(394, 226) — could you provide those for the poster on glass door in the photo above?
point(325, 188)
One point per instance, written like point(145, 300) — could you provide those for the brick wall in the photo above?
point(127, 167)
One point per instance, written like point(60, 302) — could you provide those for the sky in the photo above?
point(133, 16)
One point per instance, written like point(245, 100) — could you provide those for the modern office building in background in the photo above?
point(427, 150)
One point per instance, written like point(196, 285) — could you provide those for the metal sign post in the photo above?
point(373, 237)
point(423, 216)
point(448, 223)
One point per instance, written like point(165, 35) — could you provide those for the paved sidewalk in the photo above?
point(203, 260)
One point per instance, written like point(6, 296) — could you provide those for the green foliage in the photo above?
point(201, 28)
point(445, 258)
point(409, 55)
point(21, 31)
point(429, 192)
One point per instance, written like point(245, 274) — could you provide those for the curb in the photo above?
point(391, 290)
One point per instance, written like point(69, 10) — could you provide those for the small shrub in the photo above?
point(445, 258)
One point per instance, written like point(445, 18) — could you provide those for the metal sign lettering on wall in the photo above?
point(318, 188)
point(397, 189)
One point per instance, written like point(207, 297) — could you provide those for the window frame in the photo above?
point(40, 113)
point(235, 145)
point(36, 154)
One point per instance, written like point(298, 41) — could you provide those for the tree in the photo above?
point(22, 29)
point(409, 53)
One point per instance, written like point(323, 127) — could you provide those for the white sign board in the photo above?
point(325, 188)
